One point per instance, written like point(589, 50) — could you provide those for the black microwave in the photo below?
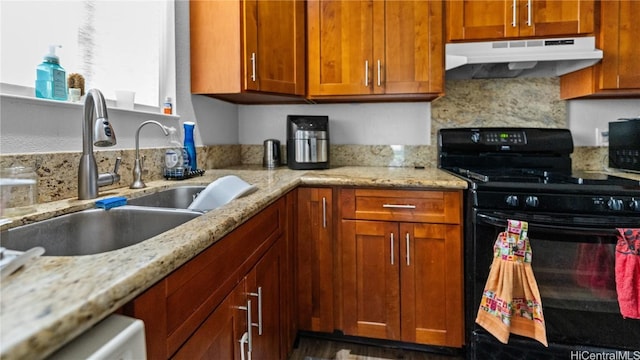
point(624, 144)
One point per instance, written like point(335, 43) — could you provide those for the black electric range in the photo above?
point(526, 174)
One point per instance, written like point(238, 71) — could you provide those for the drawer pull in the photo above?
point(324, 212)
point(249, 341)
point(392, 249)
point(243, 341)
point(408, 250)
point(398, 206)
point(259, 296)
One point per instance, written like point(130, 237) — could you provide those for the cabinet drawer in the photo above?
point(402, 205)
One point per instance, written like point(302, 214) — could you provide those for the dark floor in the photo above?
point(321, 349)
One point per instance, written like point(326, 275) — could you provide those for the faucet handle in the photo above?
point(117, 164)
point(111, 178)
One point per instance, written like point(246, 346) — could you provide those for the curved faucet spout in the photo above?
point(137, 167)
point(103, 135)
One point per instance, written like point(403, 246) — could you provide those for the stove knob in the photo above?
point(475, 137)
point(634, 205)
point(615, 204)
point(512, 200)
point(532, 201)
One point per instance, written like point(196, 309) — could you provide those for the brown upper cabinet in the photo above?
point(375, 50)
point(507, 19)
point(248, 51)
point(618, 74)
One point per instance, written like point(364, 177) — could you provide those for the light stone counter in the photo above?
point(53, 299)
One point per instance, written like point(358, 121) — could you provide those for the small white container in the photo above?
point(125, 99)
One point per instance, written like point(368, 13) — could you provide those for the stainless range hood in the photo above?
point(520, 58)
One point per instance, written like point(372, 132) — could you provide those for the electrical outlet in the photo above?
point(602, 137)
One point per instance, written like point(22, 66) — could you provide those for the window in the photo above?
point(115, 45)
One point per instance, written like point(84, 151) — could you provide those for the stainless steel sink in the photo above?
point(176, 198)
point(95, 231)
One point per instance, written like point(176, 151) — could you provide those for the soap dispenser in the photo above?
point(51, 80)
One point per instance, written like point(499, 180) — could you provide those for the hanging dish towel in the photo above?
point(594, 269)
point(511, 301)
point(628, 272)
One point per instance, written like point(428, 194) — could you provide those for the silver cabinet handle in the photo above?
point(259, 296)
point(514, 13)
point(379, 81)
point(408, 251)
point(243, 340)
point(249, 324)
point(398, 206)
point(324, 212)
point(366, 73)
point(528, 12)
point(392, 251)
point(253, 67)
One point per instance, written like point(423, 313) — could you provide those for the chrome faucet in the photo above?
point(103, 135)
point(137, 167)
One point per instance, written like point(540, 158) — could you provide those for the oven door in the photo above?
point(574, 265)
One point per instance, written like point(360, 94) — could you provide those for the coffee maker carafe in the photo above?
point(307, 142)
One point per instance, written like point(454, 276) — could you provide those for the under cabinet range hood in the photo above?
point(520, 58)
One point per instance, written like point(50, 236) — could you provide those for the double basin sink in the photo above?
point(95, 231)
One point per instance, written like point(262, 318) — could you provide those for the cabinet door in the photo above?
point(371, 287)
point(265, 289)
point(431, 280)
point(219, 336)
point(411, 62)
point(620, 29)
point(556, 17)
point(481, 19)
point(340, 47)
point(314, 260)
point(618, 74)
point(274, 46)
point(498, 19)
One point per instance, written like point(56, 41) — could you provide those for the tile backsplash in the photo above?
point(468, 103)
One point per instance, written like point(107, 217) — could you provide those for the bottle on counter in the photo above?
point(167, 106)
point(190, 160)
point(173, 156)
point(51, 79)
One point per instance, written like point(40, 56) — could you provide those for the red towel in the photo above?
point(595, 270)
point(628, 272)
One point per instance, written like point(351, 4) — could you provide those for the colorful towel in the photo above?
point(511, 301)
point(628, 272)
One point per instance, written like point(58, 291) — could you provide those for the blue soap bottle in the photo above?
point(51, 79)
point(191, 162)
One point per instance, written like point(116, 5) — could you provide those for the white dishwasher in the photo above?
point(114, 338)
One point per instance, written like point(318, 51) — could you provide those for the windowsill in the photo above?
point(138, 109)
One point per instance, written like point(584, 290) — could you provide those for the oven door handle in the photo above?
point(570, 230)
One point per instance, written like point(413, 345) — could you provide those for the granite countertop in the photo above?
point(53, 299)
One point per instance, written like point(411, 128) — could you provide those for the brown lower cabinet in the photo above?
point(390, 268)
point(401, 255)
point(200, 311)
point(315, 265)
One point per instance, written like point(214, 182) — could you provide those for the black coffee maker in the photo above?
point(307, 142)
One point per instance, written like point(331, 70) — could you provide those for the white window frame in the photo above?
point(167, 69)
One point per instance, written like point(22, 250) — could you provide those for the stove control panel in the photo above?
point(500, 137)
point(569, 203)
